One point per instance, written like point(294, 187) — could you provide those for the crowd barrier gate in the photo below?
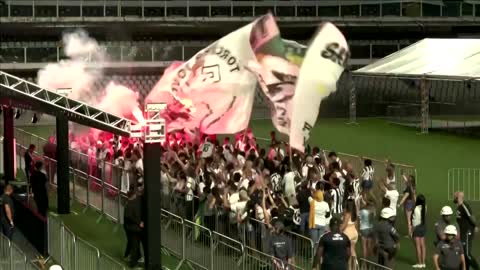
point(466, 180)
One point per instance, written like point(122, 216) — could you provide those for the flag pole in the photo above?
point(290, 152)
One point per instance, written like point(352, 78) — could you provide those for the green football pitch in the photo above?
point(431, 154)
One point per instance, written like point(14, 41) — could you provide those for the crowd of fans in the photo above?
point(264, 196)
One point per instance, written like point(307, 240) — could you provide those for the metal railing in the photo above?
point(74, 253)
point(152, 9)
point(12, 257)
point(369, 265)
point(466, 180)
point(260, 237)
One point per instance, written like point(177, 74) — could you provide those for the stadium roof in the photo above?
point(457, 59)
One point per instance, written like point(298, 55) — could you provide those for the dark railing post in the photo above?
point(63, 165)
point(8, 145)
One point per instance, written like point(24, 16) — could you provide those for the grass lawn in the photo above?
point(431, 154)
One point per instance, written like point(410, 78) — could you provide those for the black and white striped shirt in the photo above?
point(356, 187)
point(336, 201)
point(276, 181)
point(321, 170)
point(367, 173)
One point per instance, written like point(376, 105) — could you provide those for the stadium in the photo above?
point(76, 76)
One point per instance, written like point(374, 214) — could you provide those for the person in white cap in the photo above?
point(55, 267)
point(445, 220)
point(387, 238)
point(449, 253)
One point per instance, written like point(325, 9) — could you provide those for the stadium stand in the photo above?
point(50, 51)
point(238, 8)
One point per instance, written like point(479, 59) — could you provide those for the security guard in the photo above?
point(449, 252)
point(468, 228)
point(387, 238)
point(281, 247)
point(445, 220)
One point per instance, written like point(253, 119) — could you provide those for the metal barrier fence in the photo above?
point(369, 265)
point(200, 245)
point(12, 257)
point(55, 240)
point(68, 249)
point(260, 236)
point(228, 253)
point(466, 180)
point(75, 253)
point(149, 9)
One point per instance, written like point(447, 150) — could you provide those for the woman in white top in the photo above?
point(419, 230)
point(319, 213)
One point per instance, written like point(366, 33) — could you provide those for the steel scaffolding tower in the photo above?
point(425, 102)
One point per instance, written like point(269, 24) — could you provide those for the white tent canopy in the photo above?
point(458, 58)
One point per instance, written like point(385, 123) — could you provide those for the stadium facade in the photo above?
point(143, 37)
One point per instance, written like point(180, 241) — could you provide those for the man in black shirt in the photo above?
point(304, 205)
point(281, 247)
point(7, 212)
point(39, 188)
point(333, 248)
point(468, 227)
point(133, 225)
point(28, 157)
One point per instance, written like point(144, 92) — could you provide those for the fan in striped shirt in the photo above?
point(336, 197)
point(319, 164)
point(367, 175)
point(334, 158)
point(276, 180)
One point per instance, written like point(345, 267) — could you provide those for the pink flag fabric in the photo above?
point(214, 90)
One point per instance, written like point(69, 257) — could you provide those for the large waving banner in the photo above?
point(277, 66)
point(213, 91)
point(324, 62)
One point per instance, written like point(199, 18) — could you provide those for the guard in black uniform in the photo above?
point(333, 248)
point(442, 223)
point(133, 225)
point(281, 247)
point(468, 227)
point(449, 253)
point(387, 238)
point(39, 181)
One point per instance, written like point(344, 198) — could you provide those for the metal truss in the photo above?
point(424, 111)
point(50, 102)
point(352, 98)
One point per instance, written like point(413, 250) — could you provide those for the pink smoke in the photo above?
point(120, 100)
point(137, 113)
